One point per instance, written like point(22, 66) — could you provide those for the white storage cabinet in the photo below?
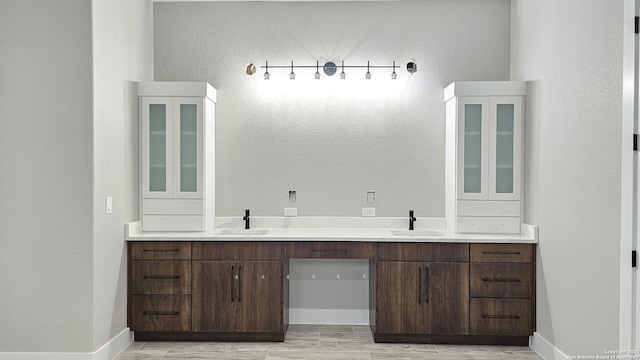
point(484, 172)
point(177, 152)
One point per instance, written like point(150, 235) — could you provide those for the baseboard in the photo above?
point(107, 352)
point(545, 349)
point(329, 316)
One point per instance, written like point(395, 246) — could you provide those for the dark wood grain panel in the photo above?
point(447, 299)
point(176, 250)
point(502, 280)
point(423, 251)
point(254, 250)
point(161, 276)
point(161, 313)
point(502, 253)
point(259, 304)
point(214, 296)
point(511, 317)
point(329, 250)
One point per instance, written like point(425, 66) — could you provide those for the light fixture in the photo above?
point(368, 74)
point(330, 69)
point(266, 73)
point(317, 70)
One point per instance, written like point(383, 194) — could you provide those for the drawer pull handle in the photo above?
point(170, 313)
point(500, 280)
point(161, 250)
point(501, 252)
point(160, 277)
point(328, 251)
point(502, 317)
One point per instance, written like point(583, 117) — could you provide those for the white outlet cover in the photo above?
point(290, 211)
point(368, 211)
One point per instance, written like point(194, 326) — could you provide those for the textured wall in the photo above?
point(122, 55)
point(331, 141)
point(46, 153)
point(573, 164)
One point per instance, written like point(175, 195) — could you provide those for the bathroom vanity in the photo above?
point(448, 291)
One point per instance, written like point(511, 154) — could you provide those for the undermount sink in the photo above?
point(416, 232)
point(244, 232)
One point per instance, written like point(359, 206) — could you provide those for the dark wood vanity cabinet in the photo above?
point(238, 292)
point(419, 292)
point(159, 286)
point(502, 290)
point(421, 289)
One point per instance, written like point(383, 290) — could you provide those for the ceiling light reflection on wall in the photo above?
point(330, 69)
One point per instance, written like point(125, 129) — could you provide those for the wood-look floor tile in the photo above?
point(295, 355)
point(345, 337)
point(386, 348)
point(320, 328)
point(419, 356)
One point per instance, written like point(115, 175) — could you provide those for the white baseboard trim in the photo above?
point(546, 349)
point(107, 352)
point(328, 316)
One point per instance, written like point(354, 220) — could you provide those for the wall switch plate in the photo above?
point(108, 205)
point(290, 211)
point(371, 197)
point(368, 211)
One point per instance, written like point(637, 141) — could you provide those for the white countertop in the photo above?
point(229, 231)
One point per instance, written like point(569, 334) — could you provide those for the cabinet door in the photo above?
point(505, 148)
point(473, 149)
point(446, 298)
point(422, 298)
point(188, 146)
point(398, 298)
point(259, 301)
point(156, 135)
point(214, 296)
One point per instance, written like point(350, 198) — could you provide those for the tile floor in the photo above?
point(322, 342)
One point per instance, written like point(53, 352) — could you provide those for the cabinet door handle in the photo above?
point(239, 283)
point(233, 283)
point(160, 277)
point(426, 288)
point(500, 280)
point(501, 252)
point(170, 313)
point(160, 250)
point(502, 317)
point(420, 285)
point(423, 287)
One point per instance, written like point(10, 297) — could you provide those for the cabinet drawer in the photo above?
point(511, 317)
point(173, 206)
point(161, 277)
point(488, 208)
point(501, 253)
point(488, 224)
point(329, 250)
point(161, 313)
point(423, 252)
point(172, 222)
point(237, 250)
point(160, 250)
point(502, 280)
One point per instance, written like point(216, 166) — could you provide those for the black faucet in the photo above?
point(246, 219)
point(412, 219)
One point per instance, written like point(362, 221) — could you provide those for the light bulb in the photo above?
point(266, 75)
point(292, 76)
point(394, 75)
point(317, 75)
point(343, 75)
point(367, 75)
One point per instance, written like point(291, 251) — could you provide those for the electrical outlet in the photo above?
point(290, 211)
point(368, 211)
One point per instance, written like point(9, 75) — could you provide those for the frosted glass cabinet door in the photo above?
point(156, 134)
point(188, 147)
point(473, 148)
point(505, 148)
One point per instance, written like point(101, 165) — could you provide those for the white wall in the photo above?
point(331, 141)
point(46, 161)
point(68, 139)
point(571, 52)
point(122, 55)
